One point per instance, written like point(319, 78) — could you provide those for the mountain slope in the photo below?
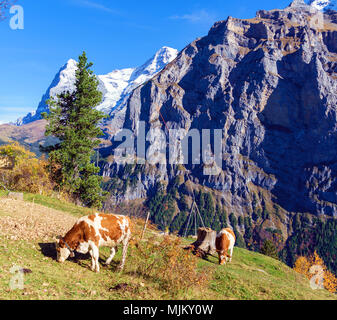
point(27, 241)
point(269, 83)
point(115, 86)
point(30, 135)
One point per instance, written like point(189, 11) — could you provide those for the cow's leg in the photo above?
point(113, 252)
point(227, 256)
point(125, 251)
point(94, 258)
point(230, 254)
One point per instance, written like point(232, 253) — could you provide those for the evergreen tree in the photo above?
point(216, 224)
point(223, 218)
point(257, 214)
point(269, 249)
point(240, 242)
point(208, 211)
point(254, 202)
point(240, 221)
point(178, 222)
point(233, 220)
point(296, 222)
point(162, 207)
point(248, 236)
point(183, 205)
point(74, 120)
point(265, 214)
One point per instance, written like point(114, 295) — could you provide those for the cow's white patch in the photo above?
point(96, 224)
point(123, 223)
point(63, 255)
point(83, 247)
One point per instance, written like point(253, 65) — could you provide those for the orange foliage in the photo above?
point(330, 281)
point(303, 265)
point(29, 173)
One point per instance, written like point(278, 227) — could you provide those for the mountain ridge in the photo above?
point(254, 79)
point(115, 86)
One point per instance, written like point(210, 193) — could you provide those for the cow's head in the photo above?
point(222, 259)
point(62, 250)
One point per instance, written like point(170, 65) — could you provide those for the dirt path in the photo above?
point(20, 220)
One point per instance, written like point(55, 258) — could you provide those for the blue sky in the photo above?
point(115, 34)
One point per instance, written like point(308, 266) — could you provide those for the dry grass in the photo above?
point(20, 220)
point(167, 263)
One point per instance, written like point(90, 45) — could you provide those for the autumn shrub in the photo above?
point(29, 174)
point(167, 263)
point(304, 264)
point(15, 152)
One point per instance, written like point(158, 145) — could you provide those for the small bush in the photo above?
point(269, 249)
point(302, 266)
point(168, 264)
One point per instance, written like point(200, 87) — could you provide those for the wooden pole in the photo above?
point(195, 221)
point(202, 221)
point(145, 225)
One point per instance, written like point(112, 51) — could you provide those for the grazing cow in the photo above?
point(91, 232)
point(225, 240)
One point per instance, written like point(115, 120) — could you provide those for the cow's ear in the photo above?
point(59, 238)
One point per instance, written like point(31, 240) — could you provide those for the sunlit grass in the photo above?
point(250, 276)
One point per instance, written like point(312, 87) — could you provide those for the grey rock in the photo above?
point(270, 83)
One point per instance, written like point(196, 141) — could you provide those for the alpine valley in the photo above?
point(270, 84)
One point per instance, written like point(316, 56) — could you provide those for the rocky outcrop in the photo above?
point(270, 83)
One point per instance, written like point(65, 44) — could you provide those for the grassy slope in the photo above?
point(249, 276)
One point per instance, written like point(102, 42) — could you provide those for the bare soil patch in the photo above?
point(20, 220)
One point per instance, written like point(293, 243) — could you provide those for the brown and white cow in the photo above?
point(225, 240)
point(94, 231)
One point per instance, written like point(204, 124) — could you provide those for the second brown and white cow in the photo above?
point(225, 241)
point(92, 232)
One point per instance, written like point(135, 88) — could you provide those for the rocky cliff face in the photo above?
point(270, 83)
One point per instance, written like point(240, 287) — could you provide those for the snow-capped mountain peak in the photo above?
point(63, 81)
point(320, 4)
point(162, 57)
point(116, 86)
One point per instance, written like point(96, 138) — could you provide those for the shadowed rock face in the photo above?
point(271, 84)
